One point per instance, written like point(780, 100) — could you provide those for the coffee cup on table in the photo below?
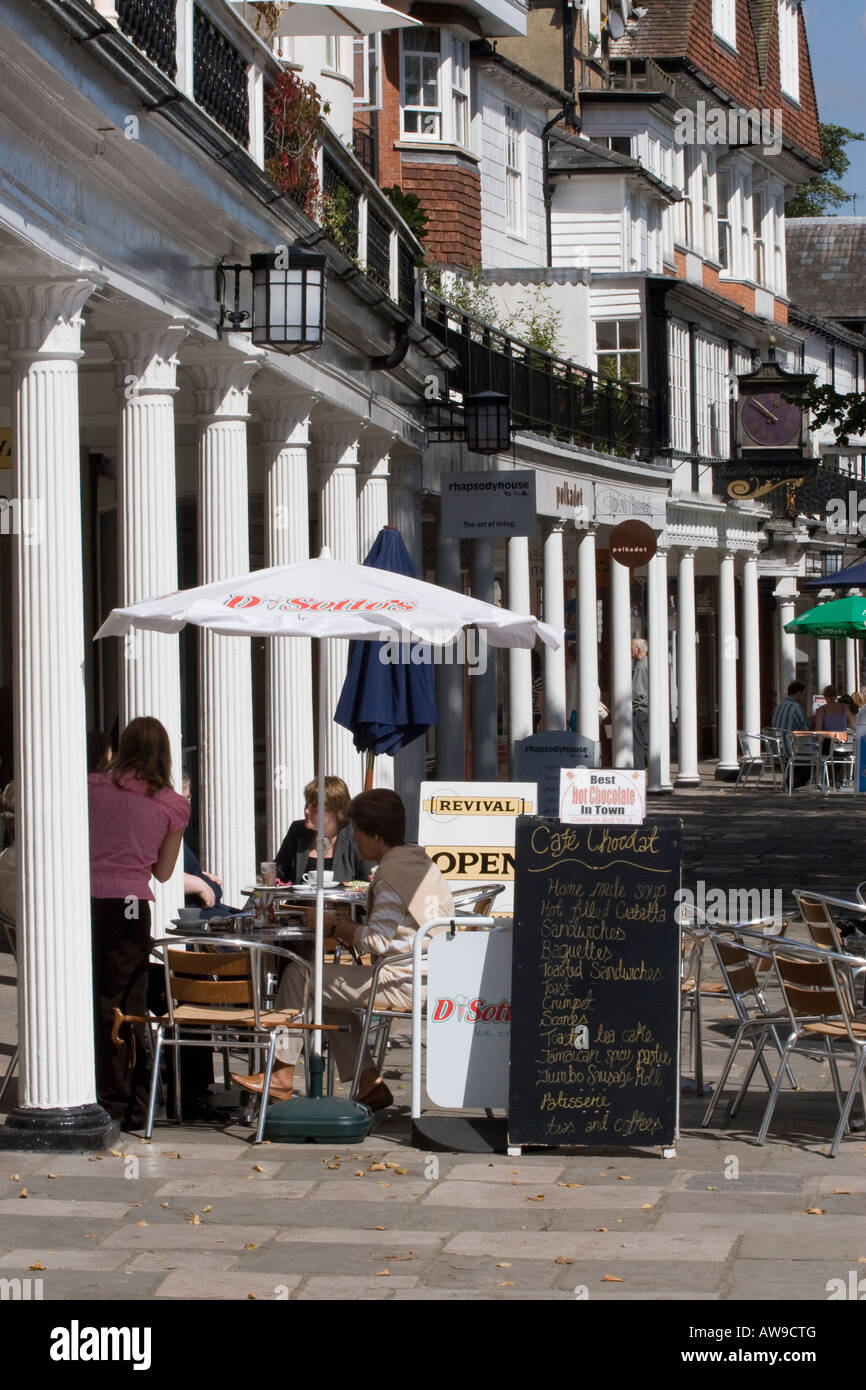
point(189, 914)
point(268, 873)
point(327, 878)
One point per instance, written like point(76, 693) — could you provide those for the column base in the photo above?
point(686, 781)
point(726, 774)
point(665, 789)
point(72, 1129)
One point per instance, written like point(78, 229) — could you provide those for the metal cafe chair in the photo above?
point(819, 912)
point(737, 963)
point(775, 746)
point(213, 996)
point(804, 752)
point(754, 758)
point(819, 1006)
point(9, 930)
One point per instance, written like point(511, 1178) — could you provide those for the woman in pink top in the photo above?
point(137, 822)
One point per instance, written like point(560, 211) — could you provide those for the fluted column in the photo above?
point(337, 454)
point(405, 501)
point(852, 677)
point(482, 686)
point(451, 728)
point(620, 665)
point(659, 752)
point(227, 787)
point(687, 681)
point(146, 366)
point(289, 742)
point(728, 760)
point(554, 614)
point(519, 659)
point(750, 648)
point(57, 1099)
point(785, 595)
point(824, 665)
point(375, 460)
point(587, 638)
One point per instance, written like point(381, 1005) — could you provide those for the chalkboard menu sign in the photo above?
point(595, 984)
point(540, 758)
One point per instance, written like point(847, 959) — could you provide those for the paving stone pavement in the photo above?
point(202, 1213)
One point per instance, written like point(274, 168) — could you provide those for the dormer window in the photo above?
point(725, 21)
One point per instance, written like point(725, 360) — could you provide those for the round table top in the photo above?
point(841, 735)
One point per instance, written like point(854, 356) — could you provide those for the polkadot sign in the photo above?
point(632, 543)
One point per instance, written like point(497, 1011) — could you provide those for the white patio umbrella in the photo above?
point(326, 598)
point(314, 18)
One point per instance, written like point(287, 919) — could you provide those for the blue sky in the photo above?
point(837, 43)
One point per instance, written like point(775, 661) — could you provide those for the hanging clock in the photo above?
point(768, 421)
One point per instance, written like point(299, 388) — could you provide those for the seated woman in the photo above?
point(832, 717)
point(297, 854)
point(407, 891)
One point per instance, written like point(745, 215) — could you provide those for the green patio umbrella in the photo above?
point(842, 617)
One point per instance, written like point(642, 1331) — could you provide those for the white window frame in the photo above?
point(725, 22)
point(789, 49)
point(453, 88)
point(459, 53)
point(515, 170)
point(724, 230)
point(367, 57)
point(620, 351)
point(679, 378)
point(713, 398)
point(334, 50)
point(428, 136)
point(708, 206)
point(759, 235)
point(779, 273)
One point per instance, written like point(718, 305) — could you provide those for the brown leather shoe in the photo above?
point(378, 1098)
point(278, 1090)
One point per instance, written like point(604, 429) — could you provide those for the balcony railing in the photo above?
point(220, 80)
point(378, 250)
point(152, 27)
point(364, 145)
point(549, 395)
point(642, 75)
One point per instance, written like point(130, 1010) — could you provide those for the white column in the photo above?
point(519, 659)
point(405, 500)
point(587, 638)
point(785, 595)
point(226, 760)
point(825, 665)
point(375, 460)
point(289, 742)
point(620, 665)
point(451, 728)
point(55, 1021)
point(554, 614)
point(337, 453)
point(750, 649)
point(659, 758)
point(851, 673)
point(728, 760)
point(146, 367)
point(482, 685)
point(687, 724)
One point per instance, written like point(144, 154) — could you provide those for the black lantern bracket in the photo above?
point(482, 422)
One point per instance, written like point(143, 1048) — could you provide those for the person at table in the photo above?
point(137, 821)
point(408, 890)
point(789, 716)
point(202, 890)
point(296, 856)
point(833, 716)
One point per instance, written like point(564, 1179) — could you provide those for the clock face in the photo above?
point(768, 419)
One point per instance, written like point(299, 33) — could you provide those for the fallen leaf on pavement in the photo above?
point(624, 1177)
point(141, 1223)
point(16, 1177)
point(196, 1219)
point(52, 1175)
point(163, 1205)
point(601, 1228)
point(251, 1295)
point(612, 1279)
point(116, 1153)
point(204, 1209)
point(380, 1228)
point(647, 1206)
point(814, 1211)
point(507, 1284)
point(259, 1168)
point(378, 1168)
point(837, 1191)
point(382, 1273)
point(384, 1184)
point(538, 1198)
point(504, 1264)
point(712, 1189)
point(251, 1245)
point(563, 1260)
point(23, 1192)
point(37, 1265)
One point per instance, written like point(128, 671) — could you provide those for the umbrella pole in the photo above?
point(316, 1062)
point(368, 772)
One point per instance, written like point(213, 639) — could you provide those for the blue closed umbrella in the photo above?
point(851, 578)
point(386, 704)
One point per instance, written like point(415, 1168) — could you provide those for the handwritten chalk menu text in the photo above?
point(595, 984)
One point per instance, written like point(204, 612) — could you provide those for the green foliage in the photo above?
point(333, 213)
point(293, 113)
point(845, 414)
point(536, 322)
point(820, 195)
point(410, 208)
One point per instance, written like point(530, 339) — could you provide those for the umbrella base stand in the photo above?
point(317, 1120)
point(467, 1134)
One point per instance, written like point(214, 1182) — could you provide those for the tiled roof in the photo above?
point(761, 14)
point(662, 33)
point(827, 265)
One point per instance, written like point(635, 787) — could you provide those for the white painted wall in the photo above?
point(499, 247)
point(587, 222)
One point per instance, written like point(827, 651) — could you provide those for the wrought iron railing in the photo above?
point(220, 84)
point(549, 395)
point(152, 27)
point(378, 251)
point(364, 146)
point(340, 206)
point(642, 75)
